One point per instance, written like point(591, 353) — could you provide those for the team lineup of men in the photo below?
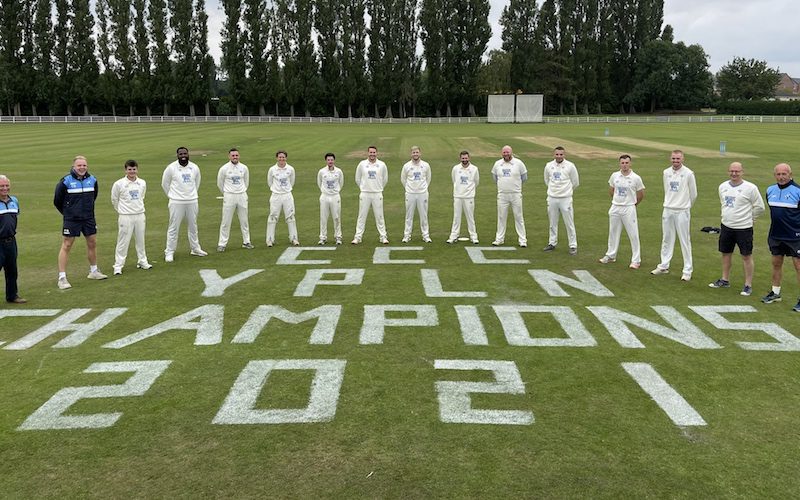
point(741, 203)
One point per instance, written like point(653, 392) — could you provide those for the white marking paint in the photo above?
point(683, 331)
point(375, 320)
point(289, 257)
point(517, 333)
point(315, 277)
point(240, 404)
point(478, 255)
point(786, 341)
point(216, 286)
point(472, 330)
point(455, 404)
point(327, 318)
point(382, 255)
point(50, 414)
point(206, 320)
point(433, 286)
point(668, 399)
point(549, 281)
point(66, 323)
point(21, 313)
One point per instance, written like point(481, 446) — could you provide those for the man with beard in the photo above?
point(180, 183)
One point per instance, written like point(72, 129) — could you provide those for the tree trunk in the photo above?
point(17, 109)
point(113, 110)
point(207, 107)
point(472, 109)
point(238, 109)
point(377, 114)
point(261, 110)
point(389, 112)
point(33, 110)
point(335, 111)
point(131, 111)
point(85, 109)
point(291, 110)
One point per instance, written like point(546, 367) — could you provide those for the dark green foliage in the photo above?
point(747, 79)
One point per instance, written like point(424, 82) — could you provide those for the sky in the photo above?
point(753, 29)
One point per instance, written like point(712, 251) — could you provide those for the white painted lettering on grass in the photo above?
point(478, 255)
point(517, 333)
point(683, 331)
point(206, 320)
point(50, 415)
point(289, 257)
point(240, 405)
point(455, 404)
point(327, 318)
point(20, 313)
point(315, 277)
point(382, 255)
point(677, 409)
point(375, 320)
point(216, 286)
point(549, 281)
point(433, 286)
point(786, 341)
point(66, 323)
point(472, 330)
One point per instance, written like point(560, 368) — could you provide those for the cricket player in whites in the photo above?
point(626, 190)
point(509, 173)
point(280, 179)
point(561, 179)
point(181, 182)
point(233, 179)
point(127, 198)
point(415, 177)
point(741, 204)
point(465, 177)
point(680, 193)
point(371, 177)
point(330, 180)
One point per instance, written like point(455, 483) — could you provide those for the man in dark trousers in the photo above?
point(9, 209)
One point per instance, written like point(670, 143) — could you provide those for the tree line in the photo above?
point(348, 58)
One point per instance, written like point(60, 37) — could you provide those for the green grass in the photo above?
point(596, 433)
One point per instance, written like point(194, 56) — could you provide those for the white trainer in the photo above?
point(97, 275)
point(63, 284)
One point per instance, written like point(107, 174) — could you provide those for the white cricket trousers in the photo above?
point(330, 205)
point(233, 202)
point(467, 206)
point(365, 202)
point(277, 203)
point(514, 200)
point(178, 210)
point(676, 222)
point(619, 217)
point(130, 225)
point(562, 207)
point(418, 202)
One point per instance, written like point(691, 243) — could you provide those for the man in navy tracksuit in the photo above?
point(9, 209)
point(783, 199)
point(74, 198)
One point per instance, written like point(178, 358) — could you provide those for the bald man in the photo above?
point(509, 173)
point(783, 199)
point(741, 205)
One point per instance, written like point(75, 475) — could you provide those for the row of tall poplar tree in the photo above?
point(383, 58)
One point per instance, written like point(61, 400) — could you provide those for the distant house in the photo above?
point(788, 88)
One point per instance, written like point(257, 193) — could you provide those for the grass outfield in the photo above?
point(574, 423)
